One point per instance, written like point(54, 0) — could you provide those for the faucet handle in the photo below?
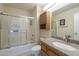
point(64, 38)
point(67, 36)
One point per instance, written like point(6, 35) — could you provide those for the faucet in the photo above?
point(67, 38)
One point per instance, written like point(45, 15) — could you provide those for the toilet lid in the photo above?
point(36, 48)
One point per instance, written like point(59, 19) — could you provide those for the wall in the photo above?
point(36, 14)
point(16, 11)
point(4, 32)
point(45, 33)
point(68, 15)
point(1, 6)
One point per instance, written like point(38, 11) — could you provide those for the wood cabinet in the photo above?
point(46, 50)
point(45, 19)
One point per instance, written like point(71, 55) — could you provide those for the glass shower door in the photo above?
point(4, 31)
point(17, 31)
point(14, 31)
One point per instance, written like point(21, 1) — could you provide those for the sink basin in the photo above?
point(64, 46)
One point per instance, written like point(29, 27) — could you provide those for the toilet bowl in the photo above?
point(36, 50)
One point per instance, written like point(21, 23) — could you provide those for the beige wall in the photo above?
point(1, 6)
point(36, 14)
point(16, 11)
point(68, 15)
point(45, 33)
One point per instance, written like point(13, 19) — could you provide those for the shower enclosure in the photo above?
point(14, 30)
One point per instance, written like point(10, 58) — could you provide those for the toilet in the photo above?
point(36, 50)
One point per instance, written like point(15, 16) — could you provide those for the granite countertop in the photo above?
point(67, 52)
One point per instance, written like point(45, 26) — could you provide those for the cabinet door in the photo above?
point(43, 18)
point(54, 52)
point(43, 21)
point(50, 53)
point(43, 53)
point(43, 47)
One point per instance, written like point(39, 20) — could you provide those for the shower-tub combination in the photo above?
point(15, 34)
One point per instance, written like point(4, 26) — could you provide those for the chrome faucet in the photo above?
point(67, 38)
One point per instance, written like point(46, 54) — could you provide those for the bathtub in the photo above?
point(22, 50)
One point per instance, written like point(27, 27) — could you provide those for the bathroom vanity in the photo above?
point(57, 47)
point(47, 50)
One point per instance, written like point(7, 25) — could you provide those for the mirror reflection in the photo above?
point(65, 22)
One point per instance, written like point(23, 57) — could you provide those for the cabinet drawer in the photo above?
point(57, 52)
point(50, 53)
point(43, 47)
point(43, 53)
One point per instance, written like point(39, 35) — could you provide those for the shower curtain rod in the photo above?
point(2, 13)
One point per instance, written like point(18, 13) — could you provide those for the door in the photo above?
point(17, 31)
point(14, 33)
point(76, 26)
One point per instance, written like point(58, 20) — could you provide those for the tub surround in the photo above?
point(48, 41)
point(23, 50)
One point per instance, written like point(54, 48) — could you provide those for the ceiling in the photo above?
point(25, 6)
point(70, 6)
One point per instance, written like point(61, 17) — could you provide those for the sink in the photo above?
point(64, 46)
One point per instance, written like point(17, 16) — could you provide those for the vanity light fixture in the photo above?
point(58, 6)
point(49, 5)
point(54, 6)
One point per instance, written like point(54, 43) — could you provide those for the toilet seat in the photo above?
point(36, 48)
